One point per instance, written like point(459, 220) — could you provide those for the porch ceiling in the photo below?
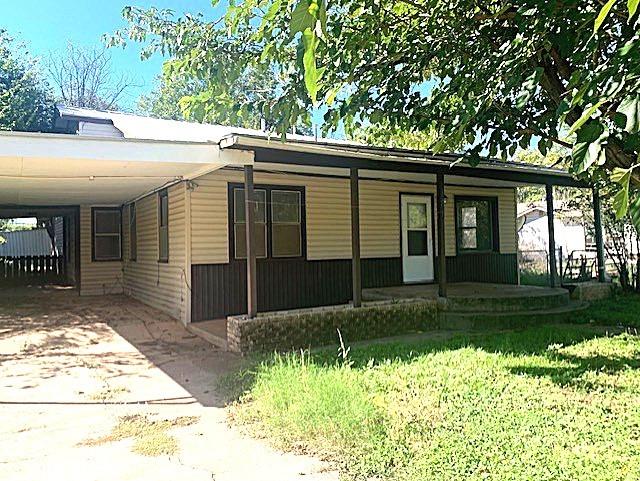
point(43, 170)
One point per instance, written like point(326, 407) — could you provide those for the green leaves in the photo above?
point(604, 11)
point(632, 6)
point(622, 177)
point(312, 74)
point(586, 115)
point(310, 18)
point(630, 108)
point(302, 18)
point(588, 148)
point(528, 88)
point(634, 210)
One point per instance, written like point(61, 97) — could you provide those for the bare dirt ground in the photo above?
point(71, 368)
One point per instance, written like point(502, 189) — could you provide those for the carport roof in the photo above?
point(57, 169)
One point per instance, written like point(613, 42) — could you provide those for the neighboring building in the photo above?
point(570, 232)
point(156, 209)
point(32, 242)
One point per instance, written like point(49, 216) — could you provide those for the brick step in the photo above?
point(508, 319)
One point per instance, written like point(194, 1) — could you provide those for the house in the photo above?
point(571, 233)
point(158, 210)
point(29, 242)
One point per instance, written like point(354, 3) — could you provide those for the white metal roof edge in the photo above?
point(81, 138)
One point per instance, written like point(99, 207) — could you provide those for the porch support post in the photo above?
point(597, 220)
point(553, 274)
point(249, 210)
point(442, 260)
point(356, 272)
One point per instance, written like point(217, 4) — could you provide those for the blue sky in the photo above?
point(47, 25)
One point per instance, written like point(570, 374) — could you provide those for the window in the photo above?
point(133, 233)
point(239, 223)
point(476, 224)
point(417, 232)
point(279, 228)
point(107, 231)
point(163, 226)
point(286, 224)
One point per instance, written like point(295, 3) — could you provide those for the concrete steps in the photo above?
point(549, 299)
point(454, 320)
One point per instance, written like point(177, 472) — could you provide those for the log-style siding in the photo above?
point(96, 278)
point(158, 284)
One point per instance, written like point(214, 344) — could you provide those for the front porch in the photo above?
point(391, 311)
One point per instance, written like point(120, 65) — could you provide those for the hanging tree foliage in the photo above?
point(491, 75)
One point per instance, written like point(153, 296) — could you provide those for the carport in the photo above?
point(57, 174)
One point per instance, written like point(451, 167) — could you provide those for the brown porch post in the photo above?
point(249, 210)
point(597, 221)
point(356, 272)
point(442, 260)
point(553, 274)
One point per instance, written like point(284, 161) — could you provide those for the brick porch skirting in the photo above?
point(286, 330)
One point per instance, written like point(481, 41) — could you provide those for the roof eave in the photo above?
point(372, 159)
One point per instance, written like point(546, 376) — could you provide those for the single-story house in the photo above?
point(159, 210)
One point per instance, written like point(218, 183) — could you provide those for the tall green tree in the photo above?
point(489, 74)
point(26, 102)
point(179, 96)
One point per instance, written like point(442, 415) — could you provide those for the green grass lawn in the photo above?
point(546, 403)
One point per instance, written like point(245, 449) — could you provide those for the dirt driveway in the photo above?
point(106, 388)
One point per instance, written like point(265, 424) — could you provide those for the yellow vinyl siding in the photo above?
point(96, 278)
point(329, 216)
point(158, 284)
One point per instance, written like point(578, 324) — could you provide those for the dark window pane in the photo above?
point(285, 206)
point(133, 233)
point(286, 240)
point(417, 214)
point(417, 242)
point(164, 210)
point(107, 247)
point(163, 249)
point(260, 240)
point(238, 205)
point(469, 239)
point(469, 216)
point(107, 221)
point(475, 229)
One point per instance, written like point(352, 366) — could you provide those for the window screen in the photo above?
point(163, 226)
point(476, 220)
point(286, 223)
point(133, 233)
point(107, 234)
point(239, 223)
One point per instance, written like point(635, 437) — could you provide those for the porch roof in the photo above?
point(58, 169)
point(323, 154)
point(304, 153)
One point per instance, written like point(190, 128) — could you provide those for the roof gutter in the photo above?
point(365, 158)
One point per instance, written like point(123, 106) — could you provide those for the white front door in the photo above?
point(417, 244)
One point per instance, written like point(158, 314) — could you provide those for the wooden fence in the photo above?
point(32, 270)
